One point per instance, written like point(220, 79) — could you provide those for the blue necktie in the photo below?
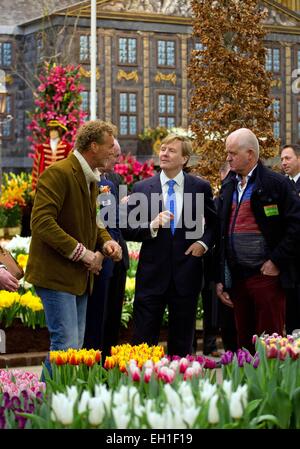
point(171, 203)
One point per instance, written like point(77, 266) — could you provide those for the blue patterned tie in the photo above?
point(171, 203)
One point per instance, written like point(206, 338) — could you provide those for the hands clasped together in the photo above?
point(93, 260)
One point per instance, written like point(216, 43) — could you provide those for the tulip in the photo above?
point(96, 411)
point(235, 405)
point(213, 413)
point(147, 374)
point(62, 409)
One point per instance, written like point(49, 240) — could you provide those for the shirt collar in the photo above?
point(90, 175)
point(295, 178)
point(179, 179)
point(239, 178)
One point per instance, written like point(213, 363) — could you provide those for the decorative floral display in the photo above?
point(19, 393)
point(16, 192)
point(27, 307)
point(75, 357)
point(18, 245)
point(132, 170)
point(57, 98)
point(206, 406)
point(153, 134)
point(122, 354)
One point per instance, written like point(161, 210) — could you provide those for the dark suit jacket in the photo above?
point(117, 180)
point(296, 186)
point(162, 258)
point(108, 264)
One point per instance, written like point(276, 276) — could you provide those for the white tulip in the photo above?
point(105, 394)
point(121, 418)
point(190, 415)
point(208, 389)
point(155, 420)
point(227, 388)
point(96, 411)
point(72, 393)
point(172, 397)
point(83, 402)
point(235, 405)
point(213, 413)
point(63, 408)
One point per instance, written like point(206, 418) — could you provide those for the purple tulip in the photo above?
point(227, 358)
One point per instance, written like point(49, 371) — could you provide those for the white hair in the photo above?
point(245, 139)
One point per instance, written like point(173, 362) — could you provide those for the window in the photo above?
point(127, 50)
point(276, 124)
point(7, 126)
point(39, 48)
point(6, 54)
point(273, 60)
point(85, 105)
point(128, 114)
point(84, 48)
point(166, 53)
point(199, 46)
point(166, 110)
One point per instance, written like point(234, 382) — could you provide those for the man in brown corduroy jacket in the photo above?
point(62, 257)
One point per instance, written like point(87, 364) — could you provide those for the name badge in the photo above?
point(271, 210)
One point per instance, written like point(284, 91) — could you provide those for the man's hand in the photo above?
point(269, 269)
point(162, 219)
point(113, 250)
point(93, 261)
point(196, 249)
point(8, 281)
point(223, 296)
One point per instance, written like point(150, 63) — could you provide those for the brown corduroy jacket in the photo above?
point(64, 213)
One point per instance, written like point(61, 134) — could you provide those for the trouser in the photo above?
point(65, 317)
point(259, 307)
point(114, 303)
point(147, 317)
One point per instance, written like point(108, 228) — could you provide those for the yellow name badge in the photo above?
point(271, 210)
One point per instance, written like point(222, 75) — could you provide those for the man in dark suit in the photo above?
point(171, 208)
point(290, 162)
point(116, 289)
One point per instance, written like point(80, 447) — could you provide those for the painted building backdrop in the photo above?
point(144, 47)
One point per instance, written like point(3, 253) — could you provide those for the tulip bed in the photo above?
point(139, 387)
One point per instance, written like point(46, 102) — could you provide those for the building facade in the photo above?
point(143, 49)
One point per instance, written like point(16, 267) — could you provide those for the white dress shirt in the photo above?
point(179, 190)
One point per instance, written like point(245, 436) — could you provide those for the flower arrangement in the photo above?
point(16, 192)
point(19, 393)
point(57, 98)
point(152, 134)
point(18, 245)
point(132, 170)
point(27, 307)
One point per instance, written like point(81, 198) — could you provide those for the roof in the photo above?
point(15, 12)
point(18, 12)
